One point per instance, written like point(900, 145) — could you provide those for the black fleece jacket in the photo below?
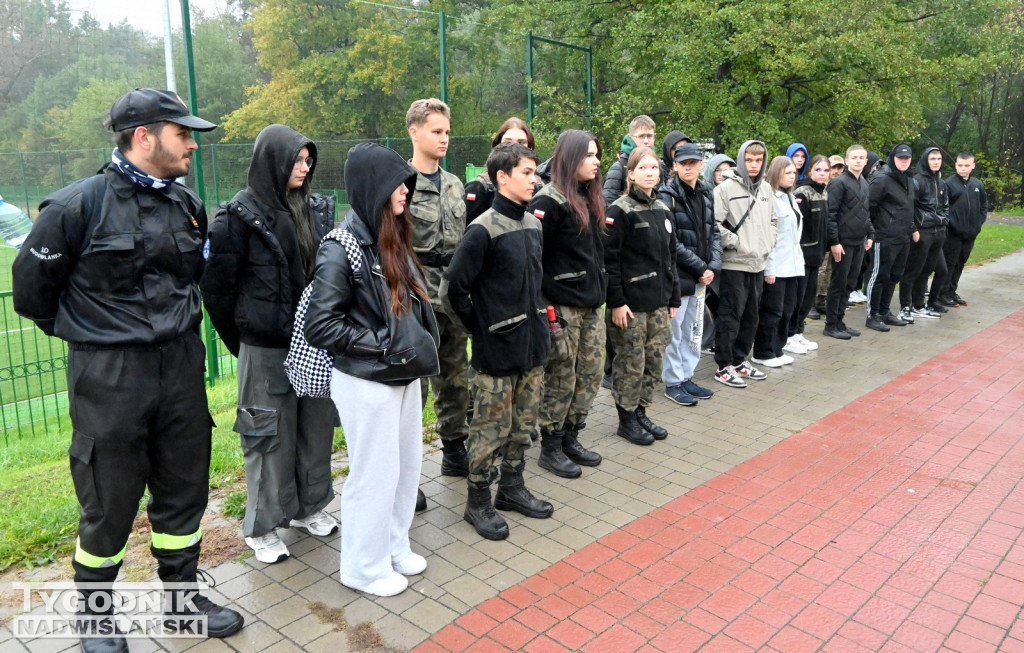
point(812, 198)
point(573, 257)
point(493, 286)
point(640, 247)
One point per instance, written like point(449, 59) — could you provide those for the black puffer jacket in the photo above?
point(615, 181)
point(849, 218)
point(698, 242)
point(812, 198)
point(892, 204)
point(931, 201)
point(352, 317)
point(255, 273)
point(638, 254)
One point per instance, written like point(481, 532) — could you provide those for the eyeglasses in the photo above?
point(308, 161)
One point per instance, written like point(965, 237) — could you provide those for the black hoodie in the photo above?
point(255, 274)
point(931, 201)
point(671, 138)
point(892, 204)
point(351, 316)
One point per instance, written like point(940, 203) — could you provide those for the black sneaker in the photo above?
point(959, 300)
point(837, 333)
point(938, 308)
point(893, 320)
point(814, 314)
point(853, 332)
point(949, 301)
point(877, 323)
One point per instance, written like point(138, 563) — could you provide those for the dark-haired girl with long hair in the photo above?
point(380, 328)
point(262, 249)
point(480, 191)
point(571, 211)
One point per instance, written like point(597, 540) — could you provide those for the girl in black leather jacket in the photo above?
point(369, 308)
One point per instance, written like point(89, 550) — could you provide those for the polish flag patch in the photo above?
point(538, 213)
point(609, 220)
point(471, 197)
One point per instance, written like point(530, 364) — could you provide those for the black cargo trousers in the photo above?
point(140, 418)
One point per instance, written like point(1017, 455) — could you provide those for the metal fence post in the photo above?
point(24, 182)
point(442, 30)
point(529, 77)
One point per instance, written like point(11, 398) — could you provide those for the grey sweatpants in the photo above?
point(286, 440)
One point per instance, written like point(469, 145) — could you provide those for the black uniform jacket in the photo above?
point(892, 205)
point(352, 317)
point(640, 248)
point(112, 264)
point(493, 287)
point(573, 257)
point(255, 275)
point(698, 242)
point(812, 199)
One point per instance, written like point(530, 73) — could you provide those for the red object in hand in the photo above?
point(553, 324)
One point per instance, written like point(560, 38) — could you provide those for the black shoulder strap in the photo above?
point(746, 215)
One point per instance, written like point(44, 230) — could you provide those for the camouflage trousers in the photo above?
point(639, 357)
point(573, 373)
point(504, 416)
point(824, 278)
point(451, 389)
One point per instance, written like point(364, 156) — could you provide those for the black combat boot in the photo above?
point(574, 450)
point(96, 608)
point(645, 422)
point(480, 512)
point(552, 458)
point(182, 599)
point(421, 500)
point(630, 429)
point(454, 459)
point(513, 495)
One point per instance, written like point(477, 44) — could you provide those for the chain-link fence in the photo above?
point(33, 391)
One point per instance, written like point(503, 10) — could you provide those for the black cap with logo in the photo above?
point(688, 152)
point(145, 106)
point(901, 151)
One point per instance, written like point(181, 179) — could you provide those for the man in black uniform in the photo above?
point(112, 266)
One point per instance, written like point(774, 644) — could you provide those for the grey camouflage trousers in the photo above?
point(639, 357)
point(504, 415)
point(573, 373)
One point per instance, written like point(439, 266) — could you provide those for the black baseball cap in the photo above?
point(901, 151)
point(145, 106)
point(687, 152)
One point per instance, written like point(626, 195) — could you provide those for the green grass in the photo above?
point(40, 515)
point(1011, 211)
point(996, 241)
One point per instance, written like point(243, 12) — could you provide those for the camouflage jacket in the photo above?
point(438, 222)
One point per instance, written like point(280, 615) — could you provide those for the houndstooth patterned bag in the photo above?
point(309, 369)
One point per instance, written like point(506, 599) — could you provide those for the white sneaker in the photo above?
point(794, 347)
point(411, 565)
point(319, 523)
point(857, 297)
point(393, 584)
point(809, 345)
point(269, 548)
point(786, 360)
point(768, 362)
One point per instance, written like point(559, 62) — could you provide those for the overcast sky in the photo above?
point(144, 14)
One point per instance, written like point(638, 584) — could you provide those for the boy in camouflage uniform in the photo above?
point(438, 221)
point(493, 288)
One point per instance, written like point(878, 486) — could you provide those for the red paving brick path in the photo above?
point(893, 524)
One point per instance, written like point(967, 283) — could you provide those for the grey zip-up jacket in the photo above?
point(746, 244)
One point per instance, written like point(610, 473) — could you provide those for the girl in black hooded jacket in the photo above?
point(380, 328)
point(262, 246)
point(812, 199)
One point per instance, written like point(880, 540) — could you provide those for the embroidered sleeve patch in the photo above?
point(609, 220)
point(471, 197)
point(538, 213)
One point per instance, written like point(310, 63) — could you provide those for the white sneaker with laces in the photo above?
point(786, 360)
point(393, 584)
point(857, 297)
point(269, 548)
point(768, 362)
point(411, 565)
point(794, 347)
point(319, 523)
point(809, 345)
